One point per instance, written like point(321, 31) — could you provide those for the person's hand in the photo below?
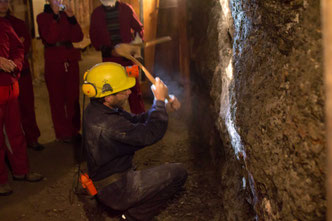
point(124, 50)
point(137, 41)
point(173, 104)
point(69, 12)
point(159, 90)
point(7, 65)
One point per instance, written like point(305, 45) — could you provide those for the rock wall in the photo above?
point(260, 64)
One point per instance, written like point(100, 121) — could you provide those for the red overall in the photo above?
point(26, 97)
point(100, 38)
point(10, 123)
point(61, 69)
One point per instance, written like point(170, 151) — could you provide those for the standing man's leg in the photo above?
point(4, 94)
point(72, 85)
point(55, 76)
point(27, 108)
point(17, 154)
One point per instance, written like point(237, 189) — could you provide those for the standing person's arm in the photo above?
point(94, 31)
point(24, 36)
point(16, 52)
point(135, 23)
point(76, 34)
point(49, 28)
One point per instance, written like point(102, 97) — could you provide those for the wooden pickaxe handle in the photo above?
point(146, 72)
point(154, 42)
point(157, 41)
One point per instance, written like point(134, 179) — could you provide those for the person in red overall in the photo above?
point(112, 23)
point(58, 30)
point(11, 62)
point(26, 96)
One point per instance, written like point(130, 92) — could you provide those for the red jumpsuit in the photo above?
point(26, 97)
point(10, 122)
point(61, 69)
point(101, 39)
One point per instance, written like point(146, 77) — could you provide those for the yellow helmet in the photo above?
point(106, 78)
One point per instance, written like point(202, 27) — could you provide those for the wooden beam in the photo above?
point(150, 13)
point(327, 36)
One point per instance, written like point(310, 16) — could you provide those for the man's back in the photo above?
point(113, 135)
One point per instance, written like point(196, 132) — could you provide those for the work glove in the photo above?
point(173, 104)
point(137, 41)
point(126, 50)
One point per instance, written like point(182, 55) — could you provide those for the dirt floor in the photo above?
point(52, 199)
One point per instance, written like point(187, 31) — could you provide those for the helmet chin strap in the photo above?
point(109, 3)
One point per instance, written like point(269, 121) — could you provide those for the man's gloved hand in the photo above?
point(137, 41)
point(7, 65)
point(125, 50)
point(173, 104)
point(69, 12)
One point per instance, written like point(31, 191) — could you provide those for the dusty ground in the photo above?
point(50, 199)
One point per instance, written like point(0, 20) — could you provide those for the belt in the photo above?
point(108, 180)
point(66, 44)
point(13, 73)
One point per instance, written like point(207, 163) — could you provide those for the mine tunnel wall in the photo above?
point(258, 86)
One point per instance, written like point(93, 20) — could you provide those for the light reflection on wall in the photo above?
point(227, 79)
point(226, 110)
point(236, 20)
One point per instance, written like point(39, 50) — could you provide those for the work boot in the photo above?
point(5, 189)
point(36, 146)
point(30, 177)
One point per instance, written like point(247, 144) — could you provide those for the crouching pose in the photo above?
point(112, 136)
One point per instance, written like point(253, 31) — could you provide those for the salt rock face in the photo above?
point(259, 68)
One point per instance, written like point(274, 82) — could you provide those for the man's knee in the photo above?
point(179, 173)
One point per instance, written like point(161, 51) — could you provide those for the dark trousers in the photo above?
point(62, 80)
point(10, 125)
point(27, 107)
point(142, 194)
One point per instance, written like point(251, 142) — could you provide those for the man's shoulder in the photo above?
point(125, 6)
point(98, 9)
point(41, 15)
point(5, 26)
point(15, 19)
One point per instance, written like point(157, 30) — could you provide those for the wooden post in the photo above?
point(150, 14)
point(327, 36)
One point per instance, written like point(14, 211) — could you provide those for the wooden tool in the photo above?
point(126, 50)
point(154, 42)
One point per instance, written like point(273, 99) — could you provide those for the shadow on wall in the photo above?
point(206, 145)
